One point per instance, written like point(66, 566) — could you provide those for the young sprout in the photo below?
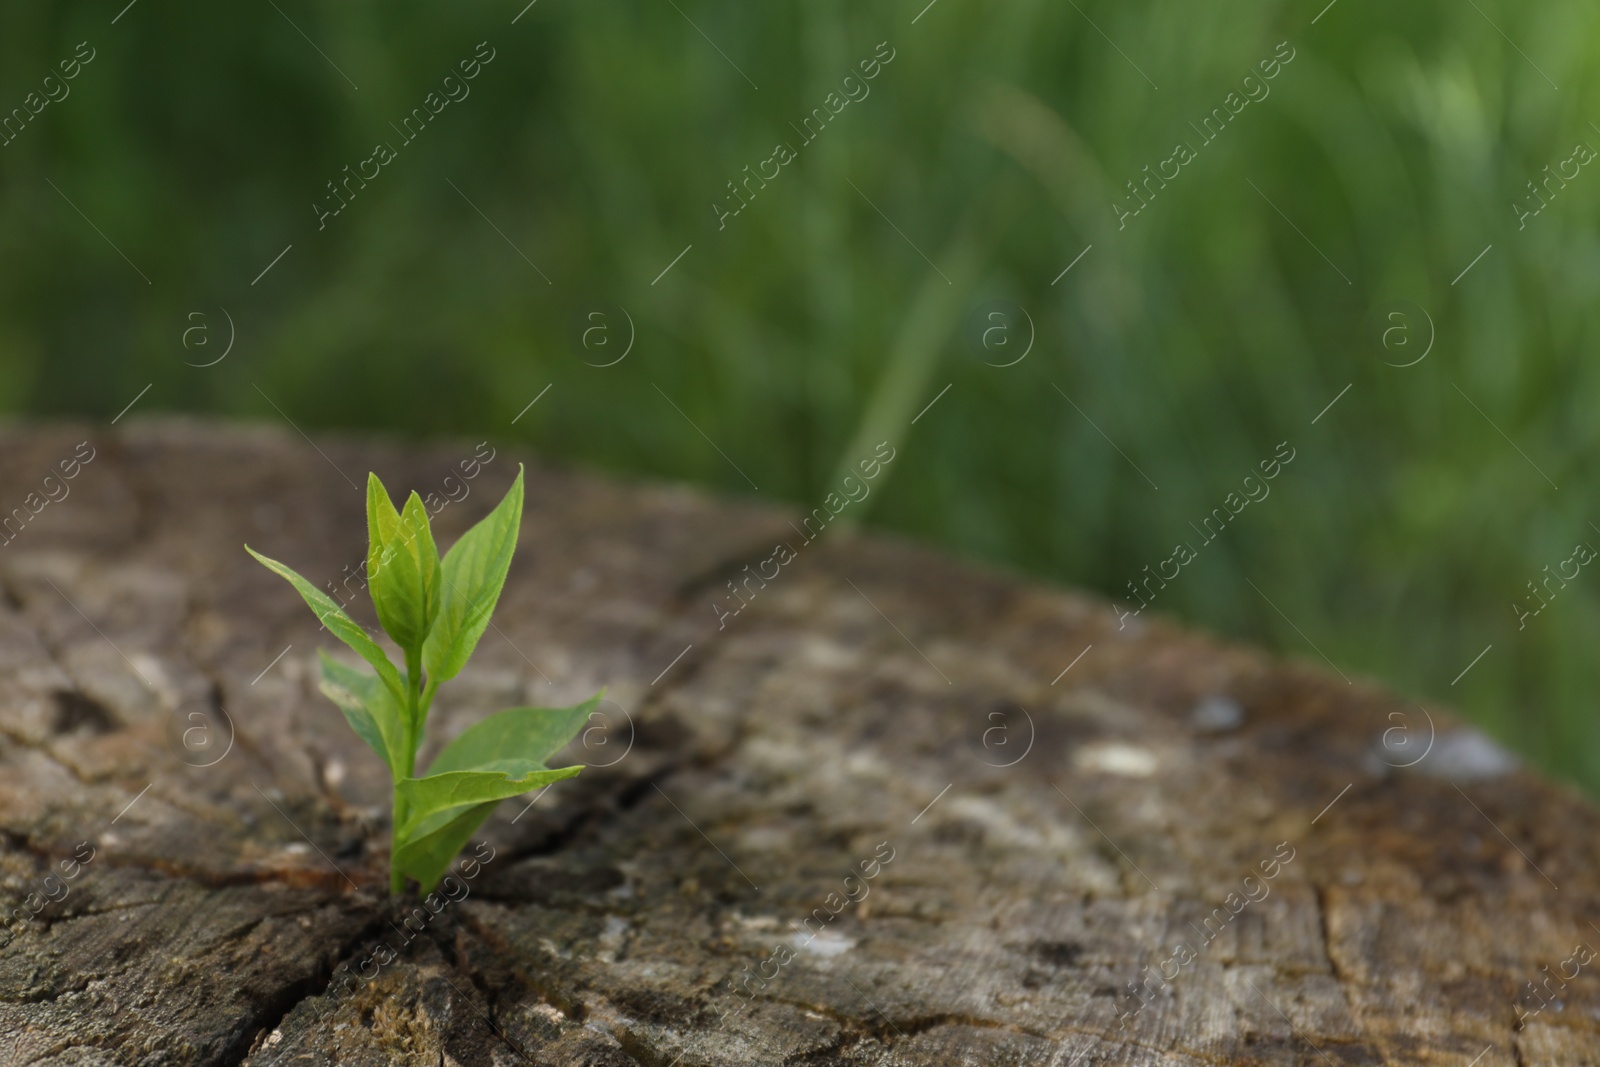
point(435, 610)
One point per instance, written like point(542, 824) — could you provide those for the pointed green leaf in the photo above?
point(414, 520)
point(470, 580)
point(425, 858)
point(382, 520)
point(432, 801)
point(369, 707)
point(533, 734)
point(402, 566)
point(338, 623)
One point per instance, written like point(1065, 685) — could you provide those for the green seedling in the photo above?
point(435, 610)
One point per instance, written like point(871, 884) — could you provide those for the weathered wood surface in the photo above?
point(872, 693)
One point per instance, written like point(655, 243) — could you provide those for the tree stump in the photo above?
point(896, 810)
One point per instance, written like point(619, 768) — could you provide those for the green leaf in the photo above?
point(382, 521)
point(435, 800)
point(402, 566)
point(368, 707)
point(339, 624)
point(471, 577)
point(425, 858)
point(414, 519)
point(532, 734)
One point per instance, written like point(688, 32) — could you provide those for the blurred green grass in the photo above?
point(1208, 330)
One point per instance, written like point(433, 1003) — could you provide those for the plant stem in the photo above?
point(397, 881)
point(413, 738)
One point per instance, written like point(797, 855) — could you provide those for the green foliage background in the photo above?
point(1197, 338)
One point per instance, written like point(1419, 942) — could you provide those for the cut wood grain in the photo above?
point(869, 820)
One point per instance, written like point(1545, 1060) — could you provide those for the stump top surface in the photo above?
point(897, 810)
